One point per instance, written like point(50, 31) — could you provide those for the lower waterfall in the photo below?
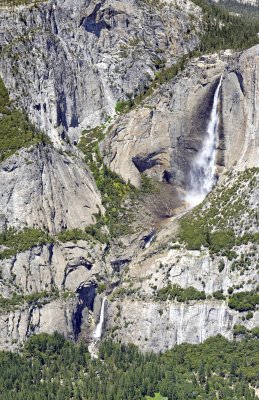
point(98, 330)
point(203, 170)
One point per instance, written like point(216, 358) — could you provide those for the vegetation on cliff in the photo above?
point(15, 129)
point(13, 3)
point(223, 30)
point(118, 196)
point(13, 242)
point(227, 219)
point(40, 298)
point(244, 301)
point(175, 292)
point(113, 189)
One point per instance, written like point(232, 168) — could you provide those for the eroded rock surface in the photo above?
point(68, 62)
point(64, 276)
point(44, 189)
point(137, 315)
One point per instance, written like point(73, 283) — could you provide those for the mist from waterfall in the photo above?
point(98, 330)
point(203, 170)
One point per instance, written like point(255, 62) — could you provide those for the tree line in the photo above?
point(50, 367)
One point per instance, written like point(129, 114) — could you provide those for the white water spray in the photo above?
point(98, 330)
point(203, 170)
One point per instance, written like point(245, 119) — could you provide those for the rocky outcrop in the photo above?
point(160, 326)
point(191, 268)
point(56, 284)
point(68, 62)
point(18, 325)
point(45, 189)
point(141, 309)
point(136, 315)
point(48, 267)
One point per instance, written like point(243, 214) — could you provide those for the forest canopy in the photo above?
point(50, 367)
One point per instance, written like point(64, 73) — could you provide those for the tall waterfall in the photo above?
point(203, 169)
point(98, 330)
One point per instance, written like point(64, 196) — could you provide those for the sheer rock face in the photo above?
point(68, 62)
point(162, 136)
point(18, 325)
point(240, 115)
point(61, 266)
point(69, 267)
point(44, 189)
point(158, 325)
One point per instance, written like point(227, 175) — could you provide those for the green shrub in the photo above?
point(230, 290)
point(101, 288)
point(221, 240)
point(175, 292)
point(249, 315)
point(193, 234)
point(12, 3)
point(72, 235)
point(8, 304)
point(5, 102)
point(218, 295)
point(244, 301)
point(123, 106)
point(19, 241)
point(157, 397)
point(147, 184)
point(255, 332)
point(216, 224)
point(239, 330)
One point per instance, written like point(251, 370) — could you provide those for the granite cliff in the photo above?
point(81, 57)
point(48, 190)
point(67, 65)
point(161, 137)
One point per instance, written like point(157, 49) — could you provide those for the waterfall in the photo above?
point(203, 169)
point(98, 330)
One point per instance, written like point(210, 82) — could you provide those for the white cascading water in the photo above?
point(203, 170)
point(98, 330)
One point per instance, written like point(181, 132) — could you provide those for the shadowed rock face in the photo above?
point(95, 23)
point(86, 296)
point(80, 57)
